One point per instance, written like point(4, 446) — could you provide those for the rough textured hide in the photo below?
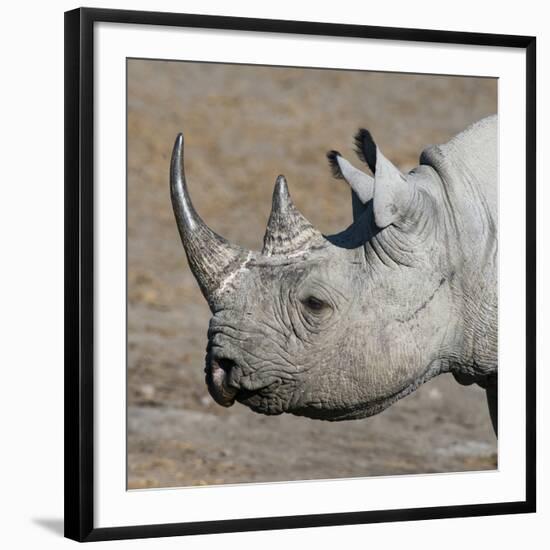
point(340, 327)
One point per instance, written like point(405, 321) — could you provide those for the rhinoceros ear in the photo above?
point(392, 192)
point(361, 184)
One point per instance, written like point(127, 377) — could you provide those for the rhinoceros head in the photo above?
point(330, 327)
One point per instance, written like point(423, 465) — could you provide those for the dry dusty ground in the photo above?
point(243, 126)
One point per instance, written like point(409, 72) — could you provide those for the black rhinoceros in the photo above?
point(340, 327)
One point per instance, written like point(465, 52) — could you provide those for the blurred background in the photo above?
point(243, 126)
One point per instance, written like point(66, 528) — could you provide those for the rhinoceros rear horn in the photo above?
point(212, 259)
point(288, 231)
point(392, 192)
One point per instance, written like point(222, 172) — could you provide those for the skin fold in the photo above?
point(340, 327)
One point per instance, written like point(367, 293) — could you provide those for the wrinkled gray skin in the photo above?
point(340, 327)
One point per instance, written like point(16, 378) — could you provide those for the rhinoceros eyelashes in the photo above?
point(316, 305)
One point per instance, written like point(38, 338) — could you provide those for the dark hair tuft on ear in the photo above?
point(332, 157)
point(366, 148)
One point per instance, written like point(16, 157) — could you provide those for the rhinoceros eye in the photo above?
point(314, 303)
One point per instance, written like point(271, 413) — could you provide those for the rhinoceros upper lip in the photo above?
point(217, 369)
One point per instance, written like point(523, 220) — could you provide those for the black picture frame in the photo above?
point(79, 270)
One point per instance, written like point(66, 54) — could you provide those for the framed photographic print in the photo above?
point(300, 274)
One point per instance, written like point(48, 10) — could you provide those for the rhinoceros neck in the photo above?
point(467, 167)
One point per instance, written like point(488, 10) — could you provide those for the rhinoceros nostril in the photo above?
point(225, 364)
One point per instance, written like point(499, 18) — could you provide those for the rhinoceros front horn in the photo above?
point(212, 259)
